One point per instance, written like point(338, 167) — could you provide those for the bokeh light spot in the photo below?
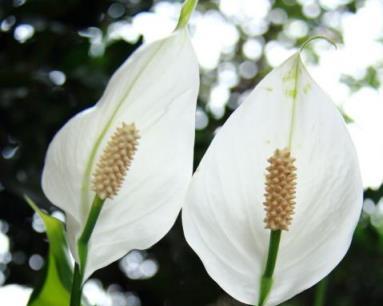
point(116, 10)
point(57, 77)
point(23, 32)
point(201, 119)
point(36, 262)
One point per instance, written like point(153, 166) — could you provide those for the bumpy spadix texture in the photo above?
point(115, 161)
point(156, 88)
point(280, 190)
point(223, 216)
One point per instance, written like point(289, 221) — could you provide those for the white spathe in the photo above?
point(223, 214)
point(15, 295)
point(156, 88)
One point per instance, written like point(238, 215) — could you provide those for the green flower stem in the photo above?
point(186, 11)
point(75, 297)
point(320, 293)
point(267, 277)
point(82, 248)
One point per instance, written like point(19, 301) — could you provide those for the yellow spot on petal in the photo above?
point(307, 88)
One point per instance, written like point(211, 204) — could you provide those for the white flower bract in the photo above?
point(223, 214)
point(155, 89)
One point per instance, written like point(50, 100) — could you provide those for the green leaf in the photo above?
point(57, 282)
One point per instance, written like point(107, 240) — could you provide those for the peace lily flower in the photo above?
point(273, 205)
point(120, 169)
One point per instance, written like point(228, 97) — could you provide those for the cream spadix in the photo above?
point(153, 95)
point(115, 161)
point(311, 190)
point(280, 190)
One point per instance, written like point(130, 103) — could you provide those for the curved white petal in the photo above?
point(156, 88)
point(14, 294)
point(223, 215)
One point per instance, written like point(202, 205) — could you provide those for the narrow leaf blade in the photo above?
point(55, 286)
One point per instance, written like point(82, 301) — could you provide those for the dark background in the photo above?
point(34, 105)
